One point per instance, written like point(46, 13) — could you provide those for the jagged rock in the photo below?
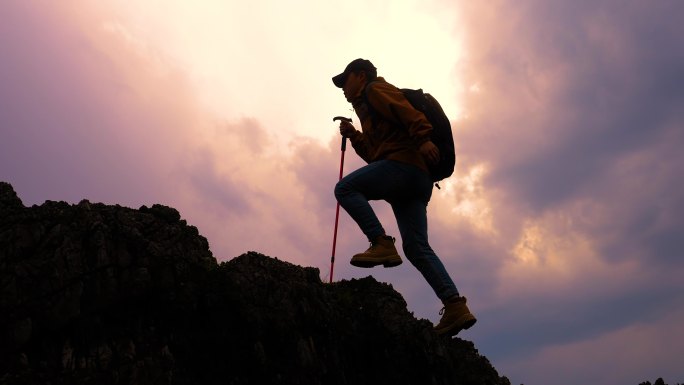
point(659, 381)
point(8, 198)
point(97, 294)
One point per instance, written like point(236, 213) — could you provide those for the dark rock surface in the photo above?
point(659, 381)
point(98, 294)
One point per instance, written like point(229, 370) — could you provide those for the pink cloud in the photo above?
point(572, 111)
point(82, 123)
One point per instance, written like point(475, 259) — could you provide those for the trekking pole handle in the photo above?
point(344, 138)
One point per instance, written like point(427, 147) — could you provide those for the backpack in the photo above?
point(441, 134)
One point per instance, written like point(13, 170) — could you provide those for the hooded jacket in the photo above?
point(391, 127)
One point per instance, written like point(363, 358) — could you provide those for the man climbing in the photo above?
point(395, 142)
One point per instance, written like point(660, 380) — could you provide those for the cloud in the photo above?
point(588, 88)
point(80, 121)
point(570, 109)
point(631, 354)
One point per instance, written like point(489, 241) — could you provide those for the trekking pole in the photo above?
point(337, 209)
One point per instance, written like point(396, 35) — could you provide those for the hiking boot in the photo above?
point(381, 252)
point(455, 317)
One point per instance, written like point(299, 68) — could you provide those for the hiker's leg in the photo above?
point(411, 218)
point(375, 181)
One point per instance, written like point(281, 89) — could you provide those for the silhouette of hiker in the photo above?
point(395, 142)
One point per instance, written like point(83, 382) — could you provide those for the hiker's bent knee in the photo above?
point(341, 190)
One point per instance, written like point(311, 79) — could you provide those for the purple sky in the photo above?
point(562, 224)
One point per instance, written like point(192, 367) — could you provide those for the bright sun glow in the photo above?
point(273, 60)
point(551, 252)
point(471, 201)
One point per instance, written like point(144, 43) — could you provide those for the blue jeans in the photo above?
point(407, 189)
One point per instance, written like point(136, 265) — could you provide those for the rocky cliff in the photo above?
point(98, 294)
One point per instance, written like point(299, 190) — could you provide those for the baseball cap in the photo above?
point(355, 65)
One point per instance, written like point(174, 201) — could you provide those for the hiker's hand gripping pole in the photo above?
point(344, 138)
point(337, 209)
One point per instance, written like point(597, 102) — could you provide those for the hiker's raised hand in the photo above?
point(346, 129)
point(430, 152)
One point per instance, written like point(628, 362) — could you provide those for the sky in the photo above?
point(560, 224)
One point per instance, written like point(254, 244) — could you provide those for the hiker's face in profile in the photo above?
point(353, 85)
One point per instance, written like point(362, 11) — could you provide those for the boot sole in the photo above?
point(392, 263)
point(456, 327)
point(368, 263)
